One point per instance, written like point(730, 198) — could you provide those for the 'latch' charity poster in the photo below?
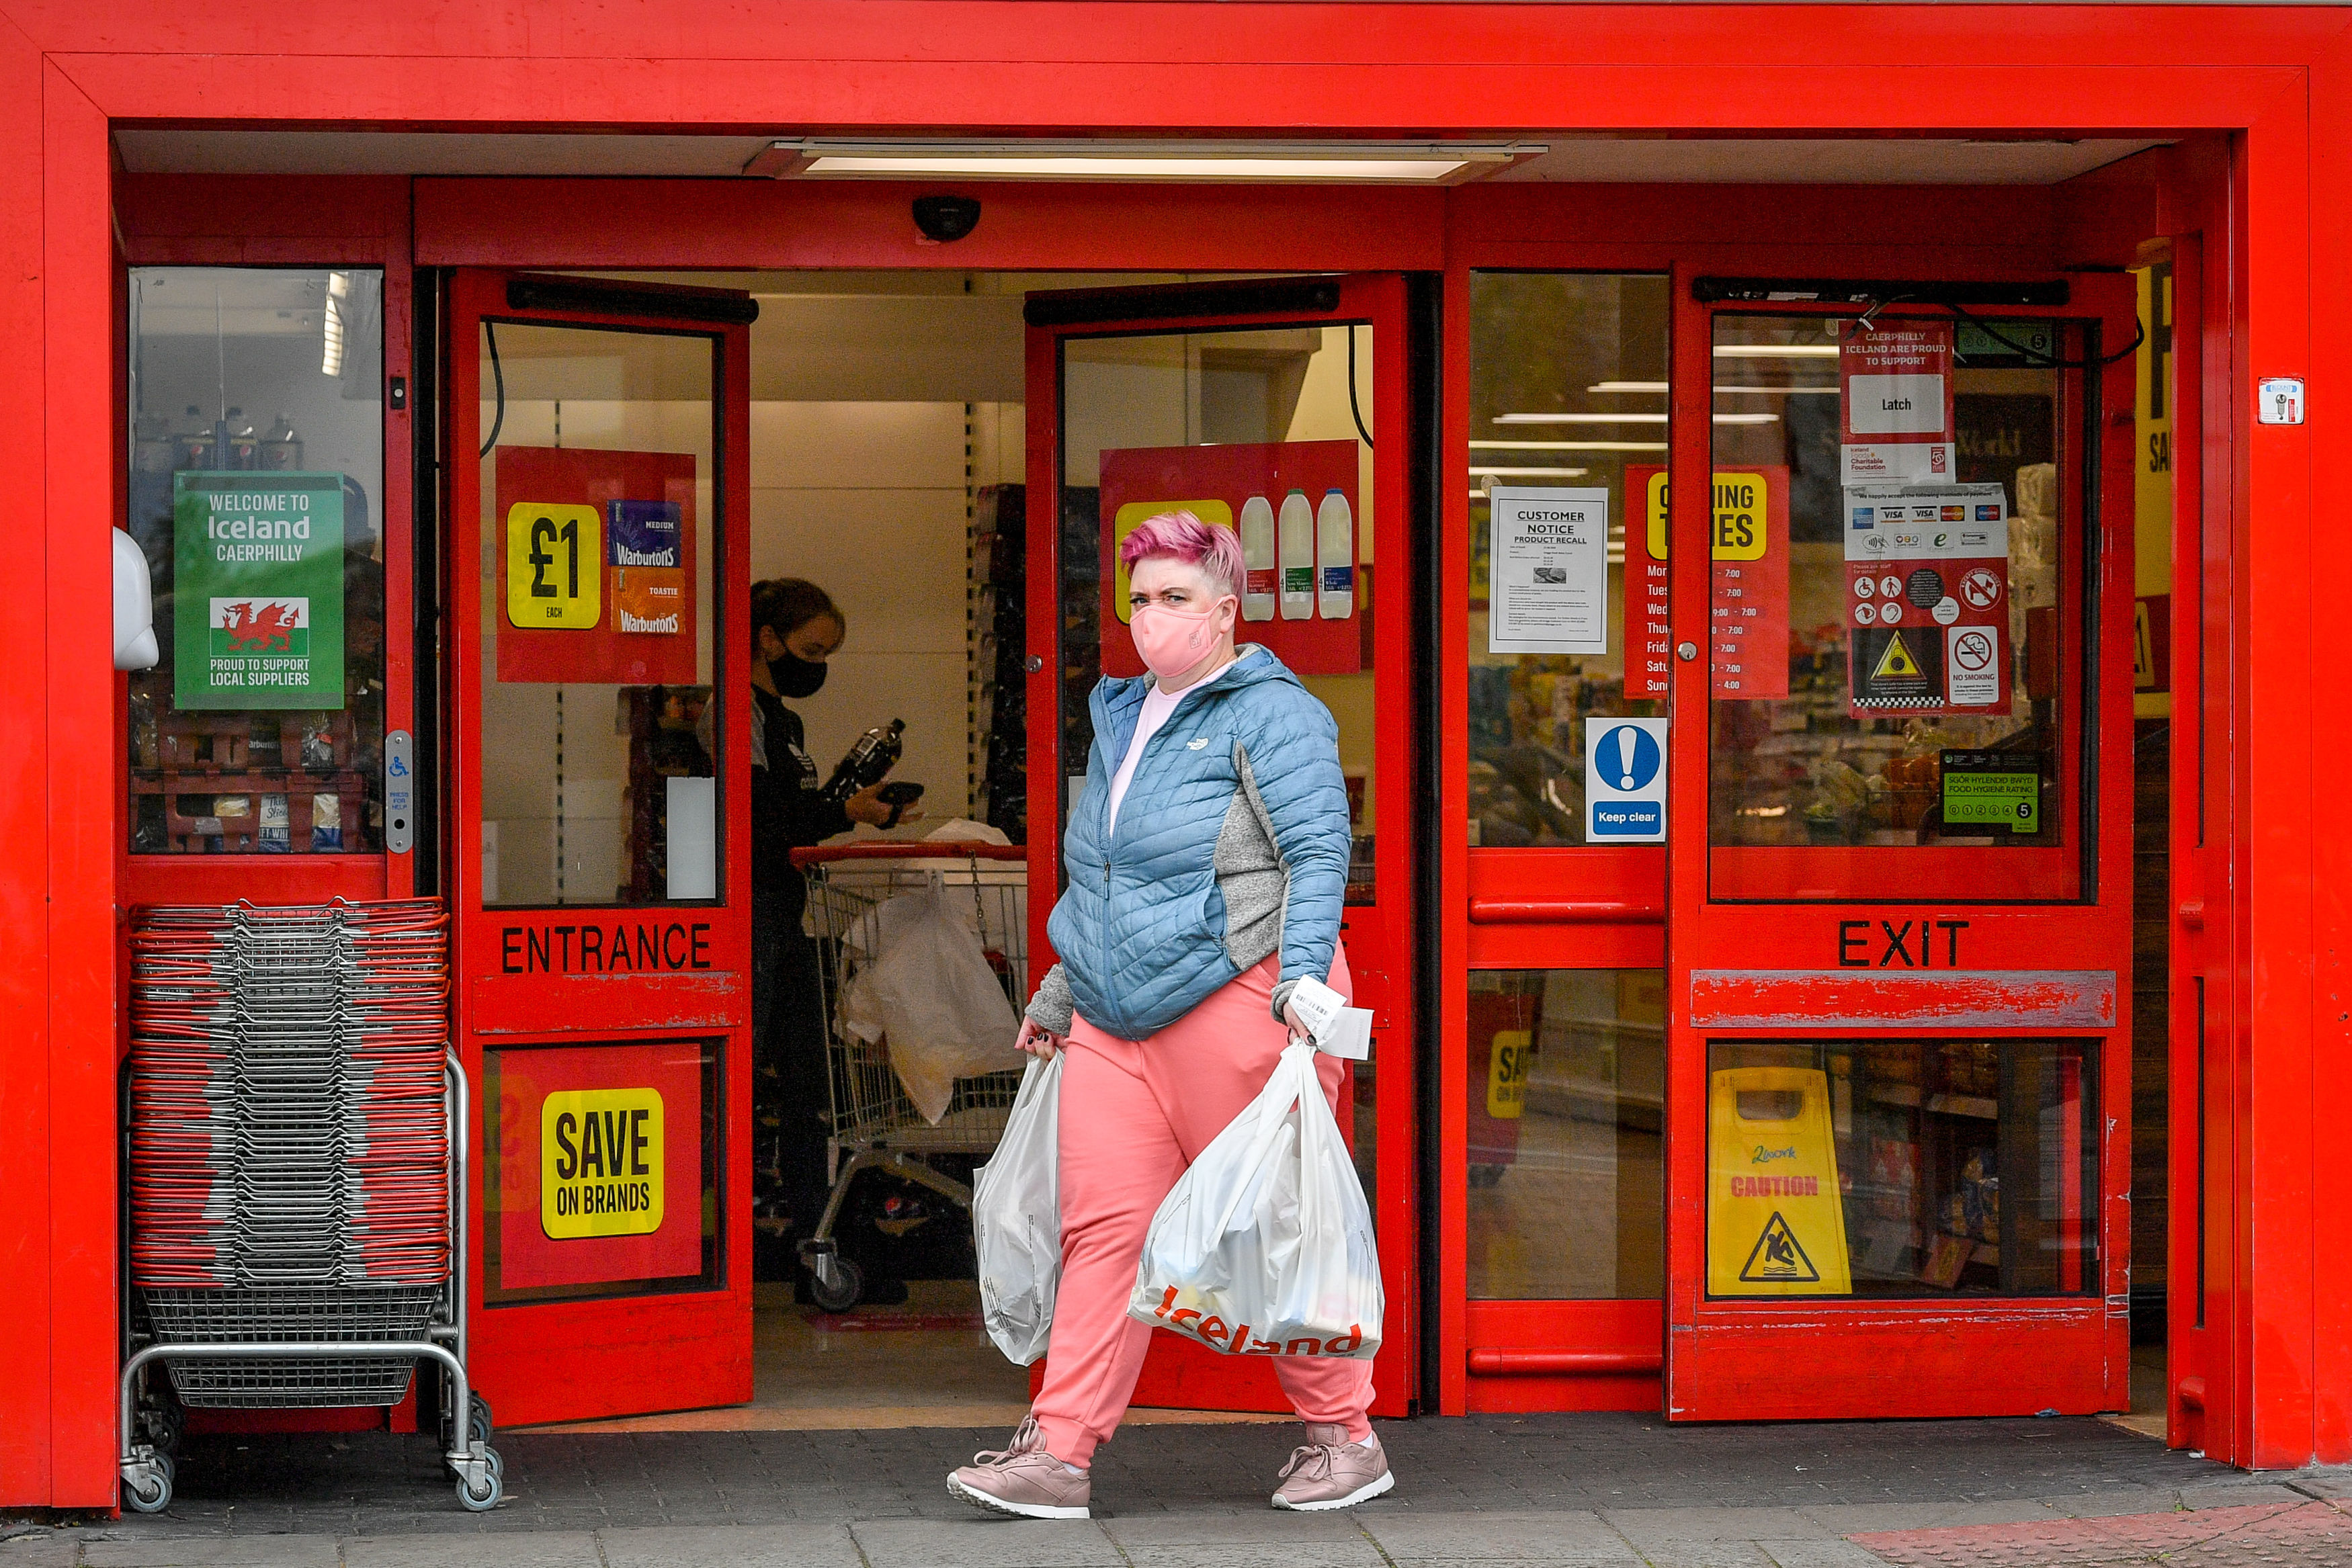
point(257, 591)
point(1926, 605)
point(1894, 403)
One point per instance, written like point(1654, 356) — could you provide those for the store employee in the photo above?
point(795, 628)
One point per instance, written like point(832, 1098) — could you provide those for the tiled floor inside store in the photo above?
point(925, 1363)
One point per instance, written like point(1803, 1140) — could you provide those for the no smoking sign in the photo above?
point(1972, 666)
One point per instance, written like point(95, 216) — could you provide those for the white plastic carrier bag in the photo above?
point(1016, 1218)
point(1264, 1246)
point(928, 993)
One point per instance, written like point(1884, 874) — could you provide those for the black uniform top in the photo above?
point(789, 811)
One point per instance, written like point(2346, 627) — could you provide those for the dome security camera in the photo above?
point(946, 219)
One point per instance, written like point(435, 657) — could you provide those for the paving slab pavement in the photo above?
point(1535, 1491)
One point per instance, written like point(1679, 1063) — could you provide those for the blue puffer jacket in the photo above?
point(1233, 840)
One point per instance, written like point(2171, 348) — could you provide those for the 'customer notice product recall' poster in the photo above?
point(1547, 576)
point(257, 591)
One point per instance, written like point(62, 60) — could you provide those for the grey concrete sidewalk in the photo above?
point(1568, 1491)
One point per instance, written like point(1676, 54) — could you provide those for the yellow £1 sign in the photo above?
point(555, 566)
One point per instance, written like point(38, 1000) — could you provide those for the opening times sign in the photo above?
point(1747, 610)
point(257, 591)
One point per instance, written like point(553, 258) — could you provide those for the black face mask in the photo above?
point(796, 677)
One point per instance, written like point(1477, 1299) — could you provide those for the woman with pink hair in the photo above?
point(1207, 861)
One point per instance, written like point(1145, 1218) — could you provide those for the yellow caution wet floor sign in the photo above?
point(1775, 1224)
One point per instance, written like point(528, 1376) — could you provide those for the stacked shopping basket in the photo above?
point(296, 1140)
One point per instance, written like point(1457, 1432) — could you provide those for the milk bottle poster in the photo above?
point(257, 591)
point(1297, 509)
point(596, 567)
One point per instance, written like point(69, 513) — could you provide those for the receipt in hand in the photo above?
point(1337, 1028)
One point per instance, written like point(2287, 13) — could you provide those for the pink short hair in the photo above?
point(1183, 536)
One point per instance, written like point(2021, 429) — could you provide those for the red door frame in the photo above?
point(1603, 907)
point(2273, 82)
point(2206, 1152)
point(566, 1361)
point(1179, 1372)
point(1933, 1357)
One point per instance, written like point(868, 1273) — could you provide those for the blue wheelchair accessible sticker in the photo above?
point(1625, 781)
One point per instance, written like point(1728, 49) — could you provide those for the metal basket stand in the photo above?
point(466, 1456)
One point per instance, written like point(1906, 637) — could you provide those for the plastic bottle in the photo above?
point(1335, 557)
point(1259, 579)
point(1296, 554)
point(868, 758)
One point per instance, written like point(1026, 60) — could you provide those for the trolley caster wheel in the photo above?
point(165, 1425)
point(147, 1483)
point(477, 1419)
point(835, 1282)
point(482, 1499)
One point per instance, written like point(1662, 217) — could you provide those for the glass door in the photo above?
point(1560, 1069)
point(1899, 873)
point(597, 569)
point(1276, 407)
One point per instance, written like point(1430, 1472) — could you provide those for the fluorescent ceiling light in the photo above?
point(1277, 162)
point(1558, 473)
point(1569, 446)
point(1776, 351)
point(1609, 419)
point(1531, 473)
point(1579, 419)
point(1659, 388)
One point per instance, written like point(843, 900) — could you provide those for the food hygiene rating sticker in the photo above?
point(599, 1163)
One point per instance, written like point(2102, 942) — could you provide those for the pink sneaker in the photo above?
point(1024, 1480)
point(1328, 1471)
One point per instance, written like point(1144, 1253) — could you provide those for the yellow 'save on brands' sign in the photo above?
point(599, 1163)
point(1506, 1072)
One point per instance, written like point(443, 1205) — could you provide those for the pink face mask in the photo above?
point(1171, 641)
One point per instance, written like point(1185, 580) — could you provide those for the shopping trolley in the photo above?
point(298, 1158)
point(874, 1126)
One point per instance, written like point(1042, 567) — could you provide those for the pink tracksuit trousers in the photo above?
point(1134, 1116)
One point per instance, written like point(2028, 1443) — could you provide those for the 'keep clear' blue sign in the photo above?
point(1625, 781)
